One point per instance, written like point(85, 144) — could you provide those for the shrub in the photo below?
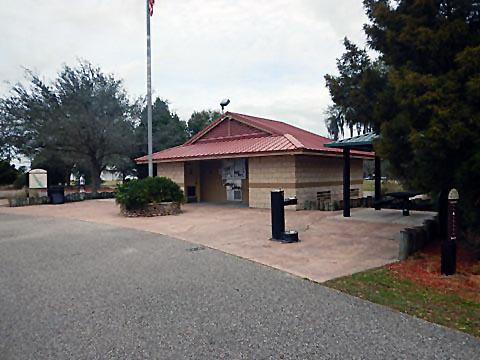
point(136, 194)
point(21, 181)
point(8, 173)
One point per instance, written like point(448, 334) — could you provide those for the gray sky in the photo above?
point(268, 56)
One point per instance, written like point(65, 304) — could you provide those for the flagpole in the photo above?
point(149, 95)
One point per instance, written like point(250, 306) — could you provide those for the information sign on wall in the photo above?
point(234, 169)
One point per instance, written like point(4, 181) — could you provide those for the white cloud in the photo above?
point(268, 56)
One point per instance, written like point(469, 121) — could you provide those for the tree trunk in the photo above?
point(95, 174)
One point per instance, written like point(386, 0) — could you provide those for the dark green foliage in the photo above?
point(167, 131)
point(9, 133)
point(20, 182)
point(200, 120)
point(136, 194)
point(357, 92)
point(428, 110)
point(124, 165)
point(433, 51)
point(57, 165)
point(142, 170)
point(167, 128)
point(83, 117)
point(8, 173)
point(83, 121)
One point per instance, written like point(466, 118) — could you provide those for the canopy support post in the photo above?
point(346, 182)
point(378, 183)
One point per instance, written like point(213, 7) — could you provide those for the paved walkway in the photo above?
point(330, 246)
point(77, 290)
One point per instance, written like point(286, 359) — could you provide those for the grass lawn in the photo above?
point(384, 286)
point(387, 186)
point(368, 185)
point(111, 183)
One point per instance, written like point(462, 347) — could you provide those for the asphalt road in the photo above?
point(76, 290)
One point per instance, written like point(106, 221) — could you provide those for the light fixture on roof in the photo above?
point(224, 103)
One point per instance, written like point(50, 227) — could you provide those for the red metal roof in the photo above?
point(232, 135)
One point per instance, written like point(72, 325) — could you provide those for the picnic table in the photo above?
point(404, 197)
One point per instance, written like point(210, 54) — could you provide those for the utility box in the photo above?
point(37, 179)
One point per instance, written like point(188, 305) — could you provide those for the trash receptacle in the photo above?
point(56, 194)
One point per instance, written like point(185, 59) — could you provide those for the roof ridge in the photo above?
point(245, 119)
point(205, 130)
point(295, 142)
point(280, 122)
point(235, 116)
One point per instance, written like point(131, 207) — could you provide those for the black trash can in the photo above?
point(56, 194)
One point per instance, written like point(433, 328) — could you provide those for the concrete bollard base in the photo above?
point(404, 245)
point(415, 239)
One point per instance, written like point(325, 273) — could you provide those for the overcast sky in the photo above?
point(268, 56)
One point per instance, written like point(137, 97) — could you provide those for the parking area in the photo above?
point(331, 246)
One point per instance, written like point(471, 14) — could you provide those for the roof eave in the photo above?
point(259, 154)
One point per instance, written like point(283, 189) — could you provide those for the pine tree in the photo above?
point(428, 110)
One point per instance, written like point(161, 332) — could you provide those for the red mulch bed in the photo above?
point(424, 269)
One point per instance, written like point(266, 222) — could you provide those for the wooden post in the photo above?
point(346, 182)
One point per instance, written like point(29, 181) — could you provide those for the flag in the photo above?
point(150, 6)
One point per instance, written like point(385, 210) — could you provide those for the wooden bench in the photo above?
point(324, 196)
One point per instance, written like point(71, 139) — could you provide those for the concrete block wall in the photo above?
point(300, 175)
point(174, 171)
point(321, 173)
point(318, 173)
point(270, 172)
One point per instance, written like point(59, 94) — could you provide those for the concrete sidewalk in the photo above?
point(330, 246)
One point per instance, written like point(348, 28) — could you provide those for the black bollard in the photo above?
point(449, 245)
point(278, 204)
point(278, 214)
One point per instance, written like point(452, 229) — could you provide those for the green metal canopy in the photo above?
point(362, 142)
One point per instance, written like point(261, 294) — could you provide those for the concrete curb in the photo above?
point(414, 239)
